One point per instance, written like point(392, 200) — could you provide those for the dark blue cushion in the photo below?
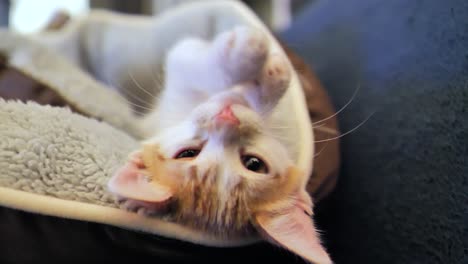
point(402, 195)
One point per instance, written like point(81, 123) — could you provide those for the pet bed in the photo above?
point(55, 161)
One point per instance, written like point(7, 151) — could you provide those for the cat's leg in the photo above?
point(199, 69)
point(240, 53)
point(269, 85)
point(233, 56)
point(188, 66)
point(252, 69)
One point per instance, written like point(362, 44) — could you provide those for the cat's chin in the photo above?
point(220, 230)
point(233, 240)
point(245, 235)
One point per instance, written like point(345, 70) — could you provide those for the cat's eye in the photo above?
point(254, 164)
point(187, 153)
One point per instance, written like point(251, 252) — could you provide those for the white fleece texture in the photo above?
point(51, 151)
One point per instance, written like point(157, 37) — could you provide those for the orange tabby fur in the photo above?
point(197, 201)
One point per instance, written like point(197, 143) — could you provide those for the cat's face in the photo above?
point(227, 164)
point(217, 168)
point(221, 171)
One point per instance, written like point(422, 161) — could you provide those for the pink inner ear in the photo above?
point(305, 202)
point(295, 231)
point(130, 183)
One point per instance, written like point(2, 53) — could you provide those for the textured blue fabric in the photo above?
point(4, 12)
point(402, 196)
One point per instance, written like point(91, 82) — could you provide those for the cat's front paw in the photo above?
point(275, 75)
point(270, 84)
point(243, 52)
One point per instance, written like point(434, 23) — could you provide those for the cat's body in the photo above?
point(224, 145)
point(202, 77)
point(230, 137)
point(190, 73)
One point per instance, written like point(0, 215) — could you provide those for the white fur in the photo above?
point(201, 75)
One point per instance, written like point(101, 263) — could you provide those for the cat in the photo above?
point(210, 160)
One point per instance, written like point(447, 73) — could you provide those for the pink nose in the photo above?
point(227, 116)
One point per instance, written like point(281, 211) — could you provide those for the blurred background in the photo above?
point(30, 15)
point(402, 192)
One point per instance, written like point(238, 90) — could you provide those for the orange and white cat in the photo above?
point(217, 163)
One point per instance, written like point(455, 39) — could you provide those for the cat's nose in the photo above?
point(226, 116)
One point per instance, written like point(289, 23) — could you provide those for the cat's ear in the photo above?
point(130, 182)
point(287, 222)
point(294, 230)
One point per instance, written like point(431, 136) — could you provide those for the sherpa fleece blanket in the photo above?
point(56, 161)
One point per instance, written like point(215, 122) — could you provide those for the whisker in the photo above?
point(321, 128)
point(139, 113)
point(350, 131)
point(139, 86)
point(125, 92)
point(278, 127)
point(140, 106)
point(326, 130)
point(285, 138)
point(156, 77)
point(342, 108)
point(319, 125)
point(321, 150)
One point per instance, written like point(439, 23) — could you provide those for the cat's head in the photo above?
point(221, 171)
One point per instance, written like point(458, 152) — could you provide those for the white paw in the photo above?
point(270, 84)
point(275, 75)
point(243, 51)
